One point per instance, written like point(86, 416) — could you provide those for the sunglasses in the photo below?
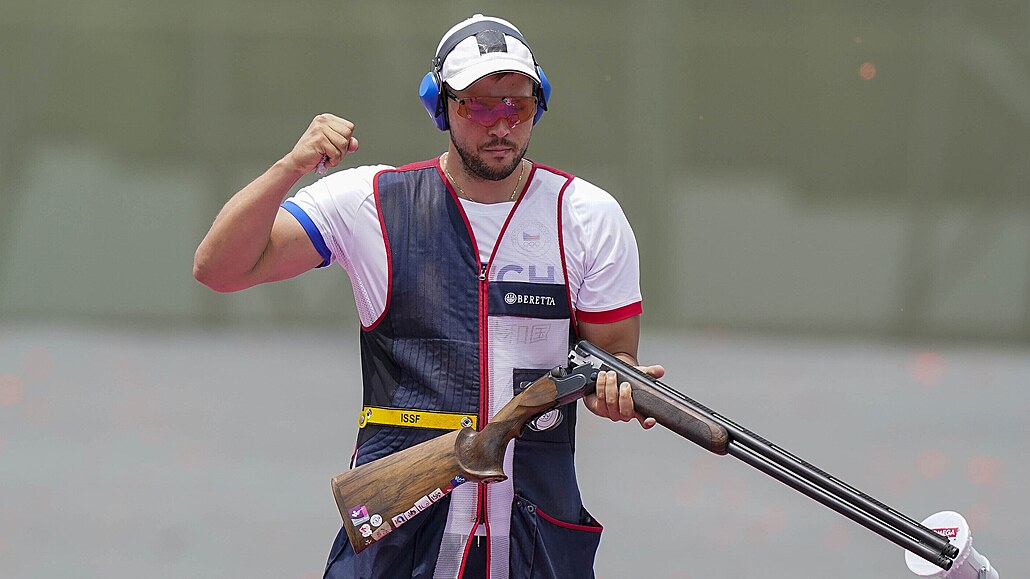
point(486, 111)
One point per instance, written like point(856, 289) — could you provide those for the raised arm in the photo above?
point(253, 240)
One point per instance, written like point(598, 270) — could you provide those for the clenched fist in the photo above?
point(328, 138)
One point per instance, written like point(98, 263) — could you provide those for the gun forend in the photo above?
point(651, 398)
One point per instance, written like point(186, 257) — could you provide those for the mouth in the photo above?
point(501, 148)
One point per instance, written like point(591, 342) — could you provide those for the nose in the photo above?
point(500, 129)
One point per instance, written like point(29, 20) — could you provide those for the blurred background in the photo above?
point(830, 200)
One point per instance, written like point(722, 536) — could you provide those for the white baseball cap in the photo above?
point(484, 50)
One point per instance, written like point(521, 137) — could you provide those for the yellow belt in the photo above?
point(415, 418)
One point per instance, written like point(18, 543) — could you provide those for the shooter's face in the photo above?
point(492, 152)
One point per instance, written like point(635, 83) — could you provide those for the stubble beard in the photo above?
point(478, 168)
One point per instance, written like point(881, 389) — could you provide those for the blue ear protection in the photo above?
point(430, 91)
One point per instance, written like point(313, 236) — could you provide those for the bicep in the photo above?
point(290, 251)
point(621, 337)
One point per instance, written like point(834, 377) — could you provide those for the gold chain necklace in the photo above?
point(461, 192)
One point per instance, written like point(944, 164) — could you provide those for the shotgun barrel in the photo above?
point(776, 462)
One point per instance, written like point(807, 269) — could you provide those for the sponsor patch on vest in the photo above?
point(512, 298)
point(529, 300)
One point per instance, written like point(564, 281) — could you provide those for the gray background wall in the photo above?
point(773, 181)
point(830, 199)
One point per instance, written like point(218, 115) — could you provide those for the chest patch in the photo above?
point(529, 300)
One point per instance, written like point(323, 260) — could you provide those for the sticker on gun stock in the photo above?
point(457, 480)
point(411, 513)
point(399, 520)
point(436, 495)
point(358, 515)
point(365, 530)
point(376, 520)
point(381, 532)
point(423, 503)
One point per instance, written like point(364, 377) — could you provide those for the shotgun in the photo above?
point(378, 496)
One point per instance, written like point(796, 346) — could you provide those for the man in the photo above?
point(471, 273)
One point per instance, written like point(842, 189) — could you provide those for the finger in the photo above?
point(330, 151)
point(646, 423)
point(337, 131)
point(600, 384)
point(626, 402)
point(338, 143)
point(655, 371)
point(591, 401)
point(331, 120)
point(611, 393)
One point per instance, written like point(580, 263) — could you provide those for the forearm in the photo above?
point(229, 256)
point(627, 358)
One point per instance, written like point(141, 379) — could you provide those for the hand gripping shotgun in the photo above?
point(379, 496)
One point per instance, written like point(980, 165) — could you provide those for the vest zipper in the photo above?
point(484, 393)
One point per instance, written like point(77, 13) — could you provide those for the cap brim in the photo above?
point(465, 78)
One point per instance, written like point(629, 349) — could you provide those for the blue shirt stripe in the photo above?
point(312, 231)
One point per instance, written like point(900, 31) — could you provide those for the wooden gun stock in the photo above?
point(377, 497)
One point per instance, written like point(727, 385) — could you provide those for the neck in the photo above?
point(474, 188)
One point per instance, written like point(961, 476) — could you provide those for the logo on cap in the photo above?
point(491, 41)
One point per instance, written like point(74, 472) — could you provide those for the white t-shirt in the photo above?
point(599, 246)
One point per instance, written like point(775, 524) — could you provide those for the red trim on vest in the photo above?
point(419, 165)
point(389, 255)
point(554, 521)
point(616, 315)
point(561, 252)
point(465, 554)
point(568, 176)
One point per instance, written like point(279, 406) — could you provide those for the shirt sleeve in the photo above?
point(339, 214)
point(602, 252)
point(329, 208)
